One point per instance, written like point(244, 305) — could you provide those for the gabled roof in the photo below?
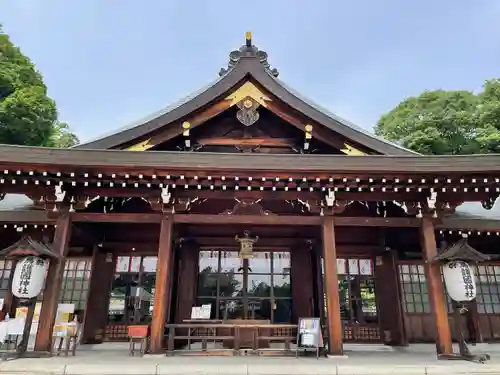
point(27, 246)
point(247, 62)
point(460, 250)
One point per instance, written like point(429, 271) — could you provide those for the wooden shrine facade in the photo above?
point(355, 215)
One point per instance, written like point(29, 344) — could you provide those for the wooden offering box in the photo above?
point(138, 331)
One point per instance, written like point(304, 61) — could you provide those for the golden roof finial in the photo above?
point(248, 37)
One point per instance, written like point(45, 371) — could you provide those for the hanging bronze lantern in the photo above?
point(246, 245)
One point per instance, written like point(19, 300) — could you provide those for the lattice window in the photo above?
point(488, 289)
point(414, 288)
point(76, 282)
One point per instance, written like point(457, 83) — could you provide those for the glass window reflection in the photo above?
point(258, 288)
point(230, 262)
point(133, 289)
point(259, 285)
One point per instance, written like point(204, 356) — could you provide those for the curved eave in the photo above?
point(23, 157)
point(248, 66)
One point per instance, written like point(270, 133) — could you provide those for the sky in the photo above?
point(109, 63)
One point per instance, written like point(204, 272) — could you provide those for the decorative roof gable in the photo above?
point(248, 64)
point(27, 246)
point(460, 250)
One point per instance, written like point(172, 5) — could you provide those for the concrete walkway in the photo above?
point(89, 361)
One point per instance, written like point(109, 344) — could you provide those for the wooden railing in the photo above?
point(230, 339)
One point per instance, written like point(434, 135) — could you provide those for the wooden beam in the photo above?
point(263, 242)
point(41, 217)
point(437, 294)
point(256, 141)
point(62, 235)
point(319, 131)
point(247, 219)
point(255, 194)
point(332, 288)
point(101, 217)
point(201, 117)
point(162, 292)
point(359, 221)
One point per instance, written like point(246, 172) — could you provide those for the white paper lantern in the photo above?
point(29, 277)
point(459, 280)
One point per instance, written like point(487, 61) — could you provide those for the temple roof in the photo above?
point(26, 246)
point(19, 156)
point(460, 250)
point(247, 62)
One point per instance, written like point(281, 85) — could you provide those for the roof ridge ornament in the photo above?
point(248, 50)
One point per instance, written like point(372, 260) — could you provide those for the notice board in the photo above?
point(309, 337)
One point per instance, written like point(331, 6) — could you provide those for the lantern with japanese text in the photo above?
point(459, 280)
point(456, 262)
point(29, 277)
point(31, 258)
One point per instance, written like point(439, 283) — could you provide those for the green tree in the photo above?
point(27, 115)
point(446, 122)
point(62, 137)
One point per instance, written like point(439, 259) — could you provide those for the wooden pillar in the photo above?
point(53, 283)
point(388, 289)
point(97, 306)
point(162, 292)
point(302, 284)
point(435, 285)
point(332, 288)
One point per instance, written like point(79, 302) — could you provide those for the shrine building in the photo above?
point(249, 198)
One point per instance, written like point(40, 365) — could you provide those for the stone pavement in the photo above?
point(416, 360)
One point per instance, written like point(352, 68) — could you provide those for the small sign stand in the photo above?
point(309, 337)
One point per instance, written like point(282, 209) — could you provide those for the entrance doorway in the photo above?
point(358, 300)
point(254, 289)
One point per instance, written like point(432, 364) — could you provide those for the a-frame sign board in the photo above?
point(309, 336)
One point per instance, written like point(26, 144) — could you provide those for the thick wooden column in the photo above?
point(53, 283)
point(97, 306)
point(162, 292)
point(302, 285)
point(332, 288)
point(435, 285)
point(388, 289)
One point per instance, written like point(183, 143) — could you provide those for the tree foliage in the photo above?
point(447, 122)
point(27, 115)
